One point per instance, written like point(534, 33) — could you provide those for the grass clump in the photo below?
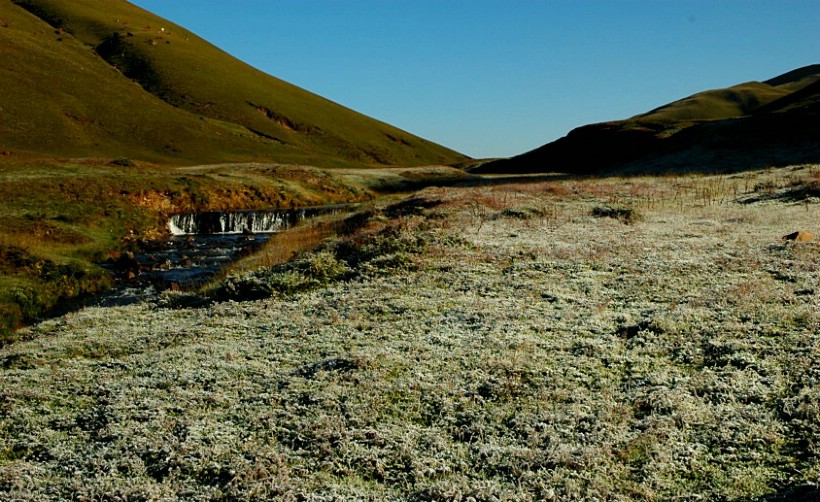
point(805, 186)
point(367, 245)
point(524, 212)
point(123, 162)
point(624, 214)
point(306, 272)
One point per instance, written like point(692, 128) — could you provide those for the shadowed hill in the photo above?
point(107, 78)
point(750, 125)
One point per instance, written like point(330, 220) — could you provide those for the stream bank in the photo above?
point(199, 246)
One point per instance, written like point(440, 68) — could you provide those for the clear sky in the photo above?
point(495, 78)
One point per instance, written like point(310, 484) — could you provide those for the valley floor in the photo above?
point(616, 339)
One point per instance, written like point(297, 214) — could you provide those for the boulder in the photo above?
point(127, 262)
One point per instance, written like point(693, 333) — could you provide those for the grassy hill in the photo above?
point(754, 124)
point(107, 78)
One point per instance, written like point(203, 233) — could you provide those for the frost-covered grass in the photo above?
point(506, 342)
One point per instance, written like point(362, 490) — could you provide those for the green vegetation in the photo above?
point(112, 83)
point(104, 78)
point(379, 246)
point(736, 101)
point(115, 90)
point(454, 345)
point(59, 218)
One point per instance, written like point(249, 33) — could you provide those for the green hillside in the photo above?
point(736, 101)
point(107, 78)
point(746, 126)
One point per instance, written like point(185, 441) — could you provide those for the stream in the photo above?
point(201, 244)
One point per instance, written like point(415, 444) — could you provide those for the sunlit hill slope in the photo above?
point(106, 78)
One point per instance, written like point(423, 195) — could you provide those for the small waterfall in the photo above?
point(183, 224)
point(237, 222)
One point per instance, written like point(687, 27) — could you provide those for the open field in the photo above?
point(618, 339)
point(62, 216)
point(458, 337)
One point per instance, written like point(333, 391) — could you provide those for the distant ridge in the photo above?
point(795, 76)
point(107, 78)
point(746, 126)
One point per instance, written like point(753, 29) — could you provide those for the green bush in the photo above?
point(309, 271)
point(306, 272)
point(10, 318)
point(30, 302)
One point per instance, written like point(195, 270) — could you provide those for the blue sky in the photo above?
point(494, 78)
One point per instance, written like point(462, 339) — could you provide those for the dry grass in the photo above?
point(452, 352)
point(284, 246)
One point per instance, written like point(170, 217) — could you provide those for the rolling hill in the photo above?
point(750, 125)
point(107, 78)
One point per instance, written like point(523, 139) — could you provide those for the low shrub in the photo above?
point(123, 162)
point(388, 248)
point(805, 187)
point(10, 318)
point(523, 212)
point(627, 215)
point(356, 221)
point(414, 206)
point(309, 271)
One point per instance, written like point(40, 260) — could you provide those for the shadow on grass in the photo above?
point(506, 179)
point(800, 493)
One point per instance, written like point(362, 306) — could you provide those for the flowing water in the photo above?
point(201, 244)
point(243, 222)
